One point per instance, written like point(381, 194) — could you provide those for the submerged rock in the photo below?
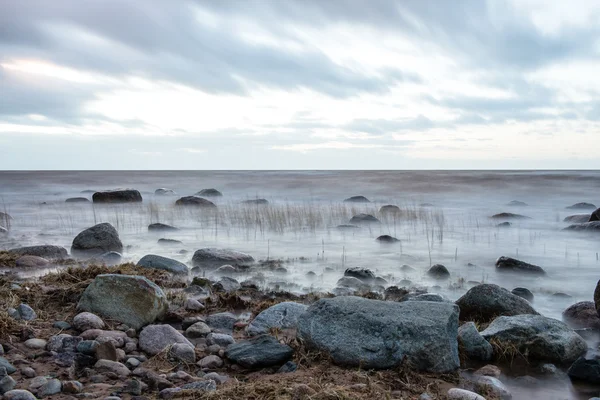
point(117, 196)
point(256, 202)
point(537, 337)
point(164, 192)
point(577, 219)
point(389, 209)
point(387, 239)
point(132, 300)
point(356, 331)
point(209, 193)
point(487, 301)
point(582, 206)
point(211, 258)
point(363, 219)
point(582, 315)
point(163, 263)
point(259, 352)
point(517, 203)
point(523, 293)
point(357, 199)
point(506, 215)
point(280, 316)
point(158, 227)
point(169, 242)
point(77, 200)
point(45, 251)
point(97, 240)
point(504, 264)
point(195, 201)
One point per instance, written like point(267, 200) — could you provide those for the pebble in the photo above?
point(132, 363)
point(28, 372)
point(183, 352)
point(86, 320)
point(72, 387)
point(289, 366)
point(193, 305)
point(210, 362)
point(87, 347)
point(133, 386)
point(489, 370)
point(112, 366)
point(23, 312)
point(461, 394)
point(130, 347)
point(37, 383)
point(221, 339)
point(36, 344)
point(7, 384)
point(10, 369)
point(219, 379)
point(213, 349)
point(97, 378)
point(168, 393)
point(53, 386)
point(19, 395)
point(106, 351)
point(63, 325)
point(198, 330)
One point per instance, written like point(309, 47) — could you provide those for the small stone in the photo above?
point(28, 372)
point(53, 386)
point(210, 362)
point(169, 393)
point(62, 325)
point(37, 383)
point(112, 366)
point(23, 312)
point(189, 321)
point(87, 347)
point(130, 347)
point(425, 396)
point(72, 387)
point(133, 387)
point(97, 378)
point(493, 387)
point(221, 322)
point(461, 394)
point(289, 366)
point(213, 349)
point(207, 386)
point(86, 320)
point(489, 370)
point(183, 352)
point(219, 379)
point(193, 305)
point(10, 369)
point(132, 363)
point(221, 339)
point(106, 351)
point(36, 344)
point(19, 395)
point(7, 384)
point(198, 330)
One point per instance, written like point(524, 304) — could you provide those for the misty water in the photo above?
point(445, 220)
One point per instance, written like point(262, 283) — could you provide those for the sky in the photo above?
point(299, 84)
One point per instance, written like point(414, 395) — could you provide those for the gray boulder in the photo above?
point(211, 258)
point(155, 338)
point(96, 241)
point(10, 369)
point(45, 251)
point(132, 300)
point(585, 370)
point(378, 334)
point(507, 264)
point(582, 206)
point(487, 301)
point(357, 199)
point(227, 285)
point(365, 275)
point(582, 315)
point(593, 226)
point(164, 192)
point(537, 337)
point(523, 293)
point(259, 352)
point(220, 339)
point(280, 316)
point(158, 227)
point(117, 196)
point(221, 322)
point(577, 219)
point(387, 239)
point(363, 219)
point(163, 263)
point(438, 271)
point(86, 320)
point(77, 200)
point(194, 201)
point(473, 344)
point(31, 262)
point(389, 209)
point(209, 193)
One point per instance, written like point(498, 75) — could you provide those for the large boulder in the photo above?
point(356, 331)
point(357, 199)
point(211, 258)
point(164, 263)
point(438, 271)
point(209, 193)
point(195, 201)
point(363, 219)
point(156, 338)
point(45, 251)
point(280, 316)
point(117, 196)
point(582, 315)
point(259, 352)
point(508, 264)
point(97, 240)
point(487, 301)
point(132, 300)
point(582, 206)
point(585, 370)
point(537, 337)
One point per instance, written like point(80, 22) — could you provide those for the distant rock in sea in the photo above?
point(357, 199)
point(194, 201)
point(117, 196)
point(582, 206)
point(506, 215)
point(209, 193)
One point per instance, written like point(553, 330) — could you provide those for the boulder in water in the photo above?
point(582, 206)
point(209, 193)
point(387, 239)
point(595, 216)
point(506, 215)
point(365, 275)
point(577, 219)
point(585, 370)
point(45, 251)
point(117, 196)
point(389, 209)
point(164, 192)
point(31, 262)
point(158, 227)
point(77, 200)
point(357, 199)
point(508, 264)
point(256, 202)
point(517, 203)
point(438, 271)
point(597, 297)
point(163, 263)
point(523, 293)
point(356, 331)
point(582, 315)
point(504, 224)
point(363, 219)
point(487, 301)
point(593, 226)
point(194, 201)
point(347, 227)
point(211, 258)
point(97, 240)
point(170, 242)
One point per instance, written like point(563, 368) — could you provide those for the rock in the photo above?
point(170, 242)
point(363, 274)
point(198, 330)
point(7, 384)
point(585, 370)
point(461, 394)
point(227, 285)
point(473, 344)
point(505, 224)
point(517, 203)
point(593, 226)
point(88, 347)
point(193, 305)
point(363, 219)
point(183, 352)
point(577, 219)
point(63, 343)
point(158, 227)
point(117, 196)
point(19, 395)
point(97, 240)
point(163, 263)
point(209, 193)
point(438, 271)
point(425, 297)
point(193, 201)
point(77, 200)
point(582, 315)
point(28, 372)
point(347, 227)
point(487, 301)
point(112, 366)
point(52, 387)
point(31, 262)
point(597, 297)
point(506, 215)
point(523, 293)
point(493, 387)
point(387, 239)
point(132, 300)
point(133, 387)
point(220, 339)
point(394, 293)
point(207, 386)
point(45, 251)
point(155, 338)
point(106, 351)
point(164, 192)
point(86, 320)
point(280, 316)
point(378, 334)
point(489, 370)
point(256, 202)
point(288, 367)
point(23, 312)
point(219, 379)
point(504, 264)
point(582, 206)
point(357, 199)
point(226, 270)
point(210, 362)
point(132, 363)
point(595, 216)
point(3, 231)
point(353, 283)
point(259, 352)
point(211, 258)
point(389, 210)
point(36, 344)
point(62, 325)
point(537, 337)
point(189, 321)
point(222, 322)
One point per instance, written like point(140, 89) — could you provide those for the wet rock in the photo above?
point(197, 330)
point(23, 312)
point(577, 219)
point(194, 201)
point(352, 283)
point(585, 370)
point(506, 215)
point(378, 334)
point(77, 200)
point(561, 295)
point(19, 395)
point(517, 203)
point(106, 351)
point(132, 363)
point(365, 275)
point(210, 362)
point(97, 240)
point(86, 320)
point(288, 367)
point(155, 338)
point(394, 293)
point(538, 337)
point(88, 347)
point(222, 322)
point(211, 258)
point(109, 258)
point(45, 251)
point(473, 345)
point(7, 384)
point(209, 193)
point(227, 285)
point(389, 210)
point(438, 271)
point(158, 227)
point(193, 305)
point(507, 264)
point(593, 226)
point(132, 300)
point(62, 325)
point(170, 242)
point(183, 352)
point(582, 206)
point(256, 202)
point(52, 387)
point(461, 394)
point(36, 344)
point(363, 219)
point(31, 262)
point(357, 199)
point(487, 301)
point(595, 216)
point(117, 196)
point(280, 316)
point(164, 192)
point(505, 224)
point(489, 370)
point(112, 366)
point(407, 268)
point(207, 386)
point(492, 386)
point(163, 263)
point(259, 352)
point(387, 239)
point(524, 293)
point(425, 297)
point(219, 339)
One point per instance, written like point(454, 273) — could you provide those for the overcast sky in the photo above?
point(299, 84)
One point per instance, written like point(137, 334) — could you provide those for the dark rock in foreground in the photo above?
point(259, 352)
point(77, 200)
point(506, 215)
point(97, 240)
point(194, 201)
point(523, 293)
point(438, 271)
point(387, 239)
point(582, 315)
point(163, 263)
point(211, 258)
point(209, 193)
point(577, 219)
point(158, 227)
point(585, 370)
point(45, 251)
point(256, 202)
point(363, 219)
point(117, 196)
point(357, 199)
point(380, 334)
point(485, 302)
point(508, 264)
point(582, 206)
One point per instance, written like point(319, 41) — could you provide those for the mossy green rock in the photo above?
point(132, 300)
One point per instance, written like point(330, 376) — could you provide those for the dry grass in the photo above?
point(507, 352)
